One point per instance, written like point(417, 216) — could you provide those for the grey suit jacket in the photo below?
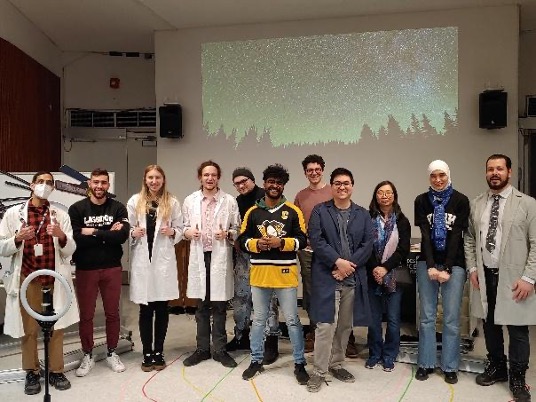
point(517, 258)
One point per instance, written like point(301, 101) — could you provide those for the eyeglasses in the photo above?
point(384, 193)
point(241, 182)
point(272, 182)
point(340, 184)
point(315, 170)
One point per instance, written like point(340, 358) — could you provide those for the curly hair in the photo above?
point(276, 171)
point(313, 158)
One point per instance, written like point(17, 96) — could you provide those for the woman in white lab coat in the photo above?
point(156, 226)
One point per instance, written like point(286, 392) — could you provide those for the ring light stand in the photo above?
point(48, 318)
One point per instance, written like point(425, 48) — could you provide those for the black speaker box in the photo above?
point(493, 109)
point(170, 121)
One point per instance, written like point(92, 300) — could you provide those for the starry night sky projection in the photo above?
point(322, 89)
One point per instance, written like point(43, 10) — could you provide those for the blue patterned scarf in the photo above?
point(439, 227)
point(381, 237)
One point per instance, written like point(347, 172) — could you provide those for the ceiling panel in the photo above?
point(128, 25)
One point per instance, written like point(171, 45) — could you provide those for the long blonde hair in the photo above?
point(163, 198)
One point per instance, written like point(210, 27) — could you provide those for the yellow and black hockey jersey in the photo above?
point(277, 267)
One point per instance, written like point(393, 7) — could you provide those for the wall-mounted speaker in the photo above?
point(170, 121)
point(493, 107)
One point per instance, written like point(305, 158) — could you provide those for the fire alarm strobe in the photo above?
point(114, 82)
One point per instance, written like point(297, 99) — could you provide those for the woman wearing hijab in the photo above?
point(392, 233)
point(156, 226)
point(442, 215)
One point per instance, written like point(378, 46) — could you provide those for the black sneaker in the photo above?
point(518, 386)
point(197, 357)
point(32, 385)
point(59, 381)
point(147, 364)
point(300, 373)
point(521, 393)
point(238, 344)
point(253, 369)
point(496, 371)
point(422, 373)
point(224, 358)
point(271, 349)
point(158, 361)
point(342, 375)
point(451, 377)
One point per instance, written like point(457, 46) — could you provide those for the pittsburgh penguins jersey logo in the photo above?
point(271, 228)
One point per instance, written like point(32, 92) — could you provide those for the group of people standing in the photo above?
point(38, 235)
point(248, 247)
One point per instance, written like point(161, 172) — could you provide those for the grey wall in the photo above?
point(488, 56)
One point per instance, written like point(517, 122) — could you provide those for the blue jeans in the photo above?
point(242, 300)
point(379, 349)
point(451, 299)
point(288, 301)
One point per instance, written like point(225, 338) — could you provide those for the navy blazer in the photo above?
point(325, 241)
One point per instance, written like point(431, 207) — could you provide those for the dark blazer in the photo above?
point(325, 241)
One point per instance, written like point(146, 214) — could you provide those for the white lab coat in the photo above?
point(9, 226)
point(154, 280)
point(227, 216)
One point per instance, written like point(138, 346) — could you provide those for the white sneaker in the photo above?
point(115, 363)
point(85, 366)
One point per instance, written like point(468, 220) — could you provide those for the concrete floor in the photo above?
point(210, 381)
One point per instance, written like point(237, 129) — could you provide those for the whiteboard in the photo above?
point(60, 199)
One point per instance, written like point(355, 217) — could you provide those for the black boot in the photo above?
point(239, 344)
point(519, 388)
point(271, 349)
point(496, 371)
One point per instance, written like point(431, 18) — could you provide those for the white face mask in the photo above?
point(43, 190)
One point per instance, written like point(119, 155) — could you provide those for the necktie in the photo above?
point(493, 222)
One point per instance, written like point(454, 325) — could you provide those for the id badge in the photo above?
point(38, 250)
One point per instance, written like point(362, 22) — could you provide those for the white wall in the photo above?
point(18, 30)
point(87, 76)
point(488, 54)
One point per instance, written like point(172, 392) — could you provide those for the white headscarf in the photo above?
point(439, 165)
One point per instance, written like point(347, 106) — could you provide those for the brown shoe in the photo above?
point(351, 349)
point(309, 342)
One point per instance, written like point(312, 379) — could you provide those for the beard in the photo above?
point(269, 193)
point(98, 197)
point(498, 186)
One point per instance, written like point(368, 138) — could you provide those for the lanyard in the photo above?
point(22, 220)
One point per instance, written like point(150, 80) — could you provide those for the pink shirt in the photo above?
point(307, 198)
point(208, 206)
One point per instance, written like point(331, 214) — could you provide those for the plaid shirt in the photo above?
point(30, 262)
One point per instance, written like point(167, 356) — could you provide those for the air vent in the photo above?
point(112, 118)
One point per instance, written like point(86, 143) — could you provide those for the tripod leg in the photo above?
point(46, 332)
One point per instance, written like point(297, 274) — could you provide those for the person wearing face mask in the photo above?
point(38, 236)
point(156, 227)
point(442, 214)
